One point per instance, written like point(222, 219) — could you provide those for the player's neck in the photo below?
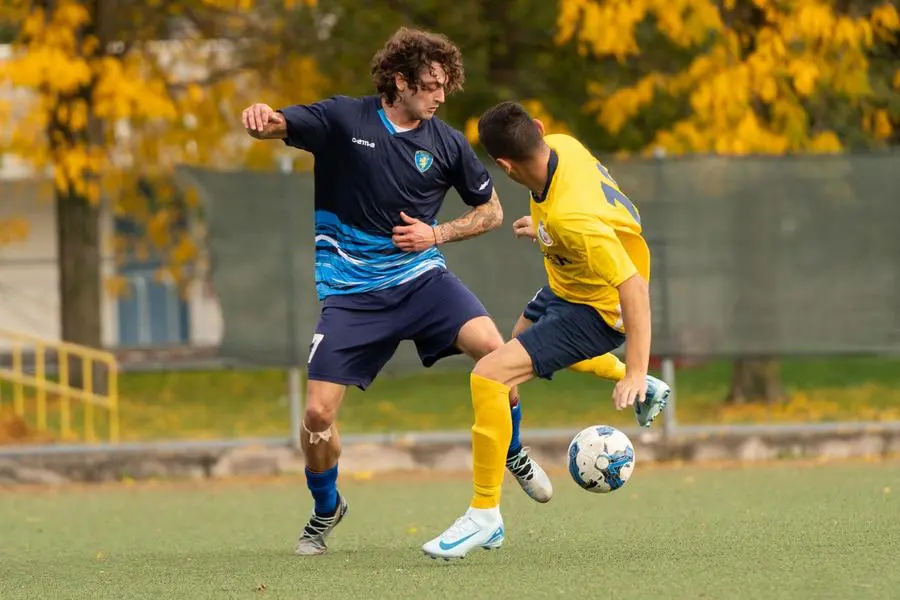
point(398, 116)
point(537, 171)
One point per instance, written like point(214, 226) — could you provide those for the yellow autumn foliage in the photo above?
point(748, 90)
point(104, 117)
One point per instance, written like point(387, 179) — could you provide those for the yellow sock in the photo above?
point(607, 366)
point(491, 434)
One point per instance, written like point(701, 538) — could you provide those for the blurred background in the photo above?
point(156, 263)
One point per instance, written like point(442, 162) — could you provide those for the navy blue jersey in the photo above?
point(366, 173)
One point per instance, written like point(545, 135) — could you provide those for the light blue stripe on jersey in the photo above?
point(352, 261)
point(387, 122)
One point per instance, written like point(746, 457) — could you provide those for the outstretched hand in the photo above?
point(259, 118)
point(415, 236)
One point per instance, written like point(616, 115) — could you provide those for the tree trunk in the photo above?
point(77, 234)
point(78, 239)
point(756, 380)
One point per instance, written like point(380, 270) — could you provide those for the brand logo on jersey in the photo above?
point(424, 160)
point(543, 235)
point(365, 143)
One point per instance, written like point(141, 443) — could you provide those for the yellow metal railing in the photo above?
point(37, 381)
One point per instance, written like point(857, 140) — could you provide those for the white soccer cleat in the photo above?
point(657, 396)
point(531, 476)
point(478, 528)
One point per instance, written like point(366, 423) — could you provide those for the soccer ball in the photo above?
point(601, 459)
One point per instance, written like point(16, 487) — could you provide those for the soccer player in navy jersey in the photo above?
point(383, 165)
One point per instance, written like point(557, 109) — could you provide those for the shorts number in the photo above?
point(317, 339)
point(614, 196)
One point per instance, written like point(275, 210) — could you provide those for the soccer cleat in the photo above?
point(478, 528)
point(531, 476)
point(312, 540)
point(657, 396)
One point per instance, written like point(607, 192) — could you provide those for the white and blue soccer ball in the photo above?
point(601, 459)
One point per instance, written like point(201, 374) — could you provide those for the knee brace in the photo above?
point(316, 436)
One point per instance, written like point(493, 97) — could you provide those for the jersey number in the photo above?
point(317, 339)
point(614, 196)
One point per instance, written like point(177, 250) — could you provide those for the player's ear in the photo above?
point(540, 126)
point(400, 82)
point(504, 164)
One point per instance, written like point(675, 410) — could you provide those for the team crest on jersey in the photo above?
point(543, 235)
point(424, 160)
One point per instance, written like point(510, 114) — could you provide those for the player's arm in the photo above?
point(634, 297)
point(608, 260)
point(480, 219)
point(473, 182)
point(302, 126)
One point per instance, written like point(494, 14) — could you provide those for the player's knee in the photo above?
point(487, 345)
point(318, 417)
point(490, 367)
point(483, 368)
point(490, 339)
point(510, 364)
point(323, 400)
point(479, 337)
point(320, 413)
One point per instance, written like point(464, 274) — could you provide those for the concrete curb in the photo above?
point(199, 460)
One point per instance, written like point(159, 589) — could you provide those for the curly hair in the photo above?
point(411, 52)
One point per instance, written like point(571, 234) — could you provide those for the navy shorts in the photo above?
point(564, 333)
point(357, 335)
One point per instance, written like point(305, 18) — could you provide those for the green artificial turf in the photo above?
point(784, 531)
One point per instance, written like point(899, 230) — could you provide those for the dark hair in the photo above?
point(410, 52)
point(508, 131)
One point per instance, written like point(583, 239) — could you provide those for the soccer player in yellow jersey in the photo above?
point(598, 268)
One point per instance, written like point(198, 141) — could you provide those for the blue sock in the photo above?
point(514, 444)
point(324, 490)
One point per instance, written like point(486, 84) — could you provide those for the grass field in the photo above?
point(780, 531)
point(228, 404)
point(240, 403)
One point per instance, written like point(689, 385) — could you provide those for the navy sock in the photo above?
point(514, 444)
point(324, 490)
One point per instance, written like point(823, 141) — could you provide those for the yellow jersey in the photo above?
point(588, 230)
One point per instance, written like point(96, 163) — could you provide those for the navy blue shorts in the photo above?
point(564, 333)
point(358, 334)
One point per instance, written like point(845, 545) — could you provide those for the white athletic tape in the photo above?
point(316, 437)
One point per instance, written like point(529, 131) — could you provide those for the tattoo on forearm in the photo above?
point(475, 222)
